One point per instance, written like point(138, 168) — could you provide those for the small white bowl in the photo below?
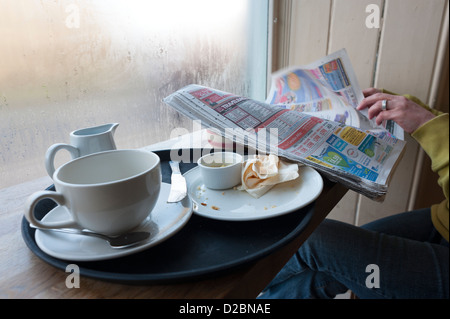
point(221, 170)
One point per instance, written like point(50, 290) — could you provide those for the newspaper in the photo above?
point(353, 151)
point(328, 89)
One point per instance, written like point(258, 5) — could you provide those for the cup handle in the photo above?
point(31, 204)
point(51, 152)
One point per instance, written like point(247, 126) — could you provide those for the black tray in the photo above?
point(202, 249)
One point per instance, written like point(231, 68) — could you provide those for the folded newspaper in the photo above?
point(309, 117)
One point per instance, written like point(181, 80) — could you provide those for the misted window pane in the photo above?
point(66, 65)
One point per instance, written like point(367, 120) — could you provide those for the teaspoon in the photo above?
point(119, 241)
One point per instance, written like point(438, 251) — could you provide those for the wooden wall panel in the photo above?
point(426, 191)
point(408, 47)
point(348, 30)
point(309, 30)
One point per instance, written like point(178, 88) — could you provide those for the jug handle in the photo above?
point(51, 152)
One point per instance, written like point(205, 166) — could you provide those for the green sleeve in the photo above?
point(433, 137)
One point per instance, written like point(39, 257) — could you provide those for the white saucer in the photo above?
point(164, 221)
point(236, 205)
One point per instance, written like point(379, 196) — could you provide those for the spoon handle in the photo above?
point(120, 241)
point(73, 231)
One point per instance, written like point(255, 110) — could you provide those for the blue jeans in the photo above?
point(400, 256)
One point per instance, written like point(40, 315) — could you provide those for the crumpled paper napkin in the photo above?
point(262, 172)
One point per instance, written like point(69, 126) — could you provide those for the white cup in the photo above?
point(110, 192)
point(221, 170)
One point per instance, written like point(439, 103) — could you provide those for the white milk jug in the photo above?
point(83, 142)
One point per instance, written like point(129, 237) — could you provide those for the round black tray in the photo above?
point(203, 248)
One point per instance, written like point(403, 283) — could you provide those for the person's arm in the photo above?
point(429, 128)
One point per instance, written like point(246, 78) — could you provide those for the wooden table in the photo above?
point(23, 275)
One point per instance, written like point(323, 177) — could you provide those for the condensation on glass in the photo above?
point(66, 65)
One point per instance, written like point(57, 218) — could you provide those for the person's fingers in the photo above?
point(369, 101)
point(386, 115)
point(375, 109)
point(381, 116)
point(370, 91)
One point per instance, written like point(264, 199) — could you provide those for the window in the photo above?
point(71, 64)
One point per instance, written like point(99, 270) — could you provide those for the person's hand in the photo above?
point(409, 115)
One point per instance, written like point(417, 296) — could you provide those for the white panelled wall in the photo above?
point(405, 54)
